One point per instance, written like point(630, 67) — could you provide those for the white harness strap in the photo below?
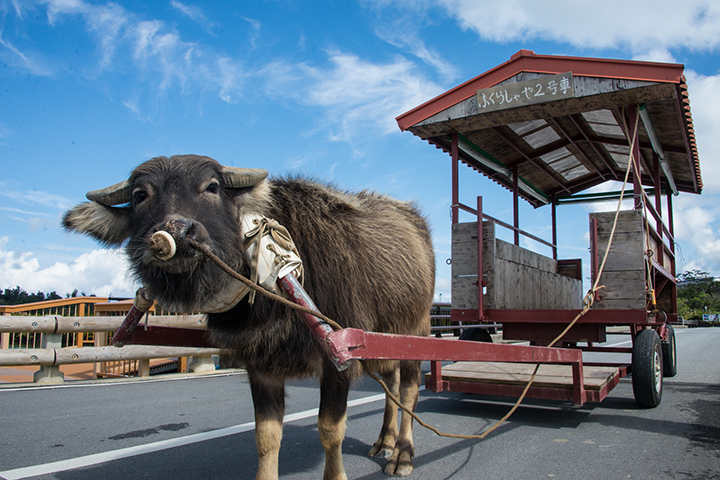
point(270, 252)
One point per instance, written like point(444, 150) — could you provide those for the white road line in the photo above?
point(97, 458)
point(115, 382)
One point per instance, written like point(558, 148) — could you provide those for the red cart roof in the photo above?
point(562, 122)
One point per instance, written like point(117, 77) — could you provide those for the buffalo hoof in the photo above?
point(400, 463)
point(381, 451)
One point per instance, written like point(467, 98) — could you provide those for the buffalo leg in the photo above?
point(385, 444)
point(334, 388)
point(400, 462)
point(269, 401)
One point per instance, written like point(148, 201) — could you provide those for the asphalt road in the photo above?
point(201, 428)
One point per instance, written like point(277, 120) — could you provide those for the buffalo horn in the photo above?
point(114, 195)
point(236, 177)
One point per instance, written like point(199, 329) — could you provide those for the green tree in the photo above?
point(17, 296)
point(698, 293)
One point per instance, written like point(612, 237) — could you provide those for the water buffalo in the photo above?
point(368, 263)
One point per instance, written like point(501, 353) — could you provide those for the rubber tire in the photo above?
point(476, 334)
point(669, 353)
point(647, 365)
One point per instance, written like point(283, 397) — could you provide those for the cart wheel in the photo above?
point(476, 334)
point(669, 354)
point(647, 366)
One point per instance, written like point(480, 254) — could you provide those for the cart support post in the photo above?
point(480, 281)
point(455, 183)
point(594, 256)
point(436, 382)
point(579, 393)
point(553, 219)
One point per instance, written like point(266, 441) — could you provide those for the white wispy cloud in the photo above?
point(195, 14)
point(402, 27)
point(255, 30)
point(23, 60)
point(35, 197)
point(152, 51)
point(25, 212)
point(355, 94)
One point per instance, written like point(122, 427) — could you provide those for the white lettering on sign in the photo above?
point(538, 90)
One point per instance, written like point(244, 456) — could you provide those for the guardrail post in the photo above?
point(144, 368)
point(50, 373)
point(201, 364)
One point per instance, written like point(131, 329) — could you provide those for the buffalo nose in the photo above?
point(164, 243)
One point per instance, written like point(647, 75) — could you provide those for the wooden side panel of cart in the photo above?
point(514, 277)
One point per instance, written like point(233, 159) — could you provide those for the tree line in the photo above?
point(18, 296)
point(698, 293)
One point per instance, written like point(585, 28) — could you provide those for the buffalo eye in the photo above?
point(213, 187)
point(139, 196)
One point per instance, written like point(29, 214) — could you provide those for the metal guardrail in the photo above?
point(52, 354)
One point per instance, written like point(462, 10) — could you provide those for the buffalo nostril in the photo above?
point(178, 228)
point(162, 245)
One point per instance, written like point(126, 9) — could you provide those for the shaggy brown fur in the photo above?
point(368, 264)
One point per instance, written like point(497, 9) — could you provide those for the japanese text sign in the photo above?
point(537, 90)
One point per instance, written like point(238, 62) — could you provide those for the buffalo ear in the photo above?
point(109, 225)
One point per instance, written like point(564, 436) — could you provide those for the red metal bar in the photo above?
point(658, 201)
point(320, 329)
point(516, 205)
point(544, 333)
point(351, 343)
point(435, 383)
point(609, 316)
point(606, 350)
point(579, 392)
point(463, 315)
point(658, 217)
point(553, 219)
point(127, 327)
point(485, 216)
point(671, 229)
point(594, 255)
point(455, 182)
point(634, 141)
point(480, 277)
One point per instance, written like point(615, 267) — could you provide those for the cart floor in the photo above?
point(505, 378)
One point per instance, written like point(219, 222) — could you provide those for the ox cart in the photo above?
point(548, 129)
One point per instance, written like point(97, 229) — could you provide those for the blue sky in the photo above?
point(90, 89)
